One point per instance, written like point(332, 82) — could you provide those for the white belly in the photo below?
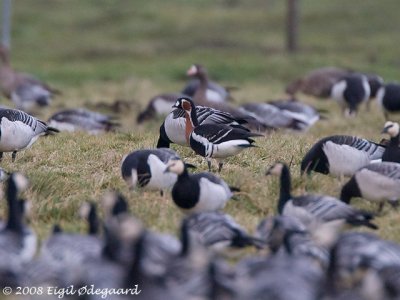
point(229, 148)
point(376, 187)
point(15, 136)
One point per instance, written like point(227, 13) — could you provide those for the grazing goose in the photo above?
point(145, 169)
point(388, 97)
point(289, 114)
point(350, 92)
point(317, 83)
point(376, 182)
point(202, 89)
point(199, 192)
point(17, 240)
point(340, 155)
point(311, 209)
point(173, 129)
point(23, 89)
point(159, 105)
point(213, 140)
point(19, 131)
point(392, 152)
point(217, 230)
point(81, 119)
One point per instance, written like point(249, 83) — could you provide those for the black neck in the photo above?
point(93, 220)
point(394, 141)
point(285, 186)
point(14, 222)
point(135, 273)
point(185, 239)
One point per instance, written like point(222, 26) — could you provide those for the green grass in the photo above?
point(105, 50)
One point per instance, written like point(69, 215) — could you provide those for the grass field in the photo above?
point(104, 50)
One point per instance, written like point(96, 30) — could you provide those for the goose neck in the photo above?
point(285, 187)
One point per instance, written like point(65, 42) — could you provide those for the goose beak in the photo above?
point(386, 129)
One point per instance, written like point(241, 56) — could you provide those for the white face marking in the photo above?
point(393, 128)
point(84, 210)
point(21, 181)
point(176, 166)
point(276, 169)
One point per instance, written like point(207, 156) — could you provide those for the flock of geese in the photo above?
point(302, 253)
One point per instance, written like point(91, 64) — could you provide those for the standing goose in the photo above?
point(376, 182)
point(145, 168)
point(213, 140)
point(17, 240)
point(392, 152)
point(388, 97)
point(23, 89)
point(81, 119)
point(350, 92)
point(19, 130)
point(311, 209)
point(340, 155)
point(173, 129)
point(199, 192)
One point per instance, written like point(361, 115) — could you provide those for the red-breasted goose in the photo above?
point(81, 119)
point(315, 209)
point(199, 192)
point(173, 129)
point(388, 97)
point(213, 140)
point(341, 155)
point(350, 92)
point(23, 89)
point(19, 130)
point(378, 182)
point(145, 169)
point(392, 152)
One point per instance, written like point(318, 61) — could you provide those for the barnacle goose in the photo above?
point(173, 129)
point(376, 182)
point(199, 192)
point(217, 230)
point(145, 169)
point(284, 233)
point(81, 119)
point(315, 209)
point(201, 88)
point(289, 114)
point(388, 97)
point(213, 140)
point(340, 155)
point(63, 248)
point(350, 92)
point(17, 240)
point(392, 152)
point(19, 130)
point(159, 105)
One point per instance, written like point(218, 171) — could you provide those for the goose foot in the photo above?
point(209, 165)
point(220, 164)
point(13, 156)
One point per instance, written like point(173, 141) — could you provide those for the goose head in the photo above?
point(276, 169)
point(185, 104)
point(391, 128)
point(176, 166)
point(196, 70)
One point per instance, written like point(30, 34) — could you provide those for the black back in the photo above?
point(391, 99)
